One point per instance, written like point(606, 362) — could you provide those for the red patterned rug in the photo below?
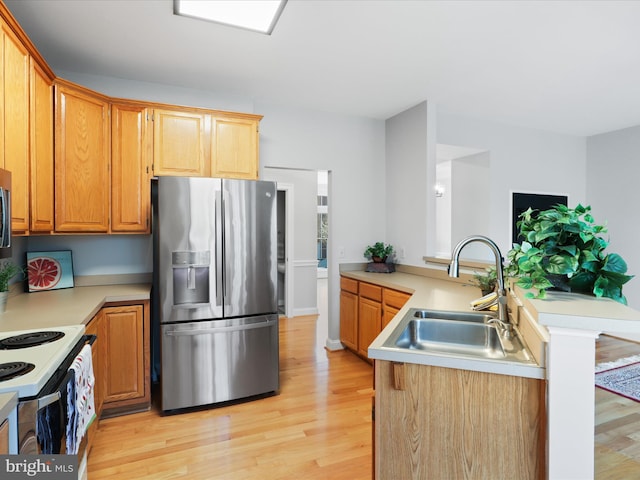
point(623, 380)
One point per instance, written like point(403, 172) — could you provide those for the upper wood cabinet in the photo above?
point(82, 158)
point(41, 118)
point(15, 124)
point(179, 139)
point(234, 148)
point(130, 169)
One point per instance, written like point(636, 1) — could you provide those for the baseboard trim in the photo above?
point(301, 312)
point(333, 345)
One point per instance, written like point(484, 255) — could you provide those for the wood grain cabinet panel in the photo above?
point(82, 160)
point(349, 319)
point(369, 323)
point(15, 112)
point(393, 301)
point(179, 139)
point(130, 169)
point(96, 327)
point(127, 357)
point(436, 422)
point(4, 437)
point(234, 150)
point(42, 168)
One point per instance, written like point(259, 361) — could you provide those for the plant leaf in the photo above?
point(614, 263)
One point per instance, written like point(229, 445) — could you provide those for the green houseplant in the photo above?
point(8, 270)
point(486, 281)
point(562, 248)
point(378, 252)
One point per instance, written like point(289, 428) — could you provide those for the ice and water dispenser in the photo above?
point(190, 278)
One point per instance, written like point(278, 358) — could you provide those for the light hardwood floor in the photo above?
point(318, 427)
point(617, 435)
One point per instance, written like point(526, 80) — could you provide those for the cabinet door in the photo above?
point(125, 353)
point(369, 323)
point(179, 140)
point(130, 176)
point(393, 301)
point(41, 103)
point(349, 319)
point(95, 327)
point(234, 149)
point(388, 314)
point(16, 125)
point(82, 161)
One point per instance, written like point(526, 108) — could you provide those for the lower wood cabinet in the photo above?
point(4, 437)
point(96, 327)
point(121, 359)
point(349, 312)
point(127, 379)
point(435, 422)
point(369, 315)
point(365, 309)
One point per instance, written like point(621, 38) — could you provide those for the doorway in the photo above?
point(285, 230)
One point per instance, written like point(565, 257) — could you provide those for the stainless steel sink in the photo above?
point(451, 336)
point(451, 333)
point(476, 317)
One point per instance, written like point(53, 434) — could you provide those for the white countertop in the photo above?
point(8, 402)
point(70, 306)
point(582, 312)
point(438, 293)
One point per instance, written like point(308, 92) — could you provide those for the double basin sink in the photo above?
point(467, 334)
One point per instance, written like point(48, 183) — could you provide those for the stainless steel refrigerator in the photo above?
point(215, 260)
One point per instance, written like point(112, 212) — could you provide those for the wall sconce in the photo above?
point(439, 190)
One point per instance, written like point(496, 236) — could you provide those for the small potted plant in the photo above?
point(486, 281)
point(378, 252)
point(8, 270)
point(562, 248)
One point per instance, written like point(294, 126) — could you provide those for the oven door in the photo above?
point(42, 420)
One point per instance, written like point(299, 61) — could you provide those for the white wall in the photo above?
point(470, 192)
point(613, 171)
point(443, 210)
point(304, 258)
point(407, 185)
point(522, 159)
point(352, 150)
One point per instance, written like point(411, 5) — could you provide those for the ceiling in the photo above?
point(565, 66)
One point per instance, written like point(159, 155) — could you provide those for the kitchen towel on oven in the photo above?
point(80, 405)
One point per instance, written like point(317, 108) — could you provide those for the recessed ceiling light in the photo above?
point(257, 15)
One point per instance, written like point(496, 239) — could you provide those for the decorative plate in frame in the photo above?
point(49, 270)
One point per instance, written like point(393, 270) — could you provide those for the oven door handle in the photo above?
point(55, 396)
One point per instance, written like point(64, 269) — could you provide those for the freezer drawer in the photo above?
point(218, 360)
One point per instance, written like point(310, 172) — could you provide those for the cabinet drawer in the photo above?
point(394, 298)
point(349, 285)
point(372, 292)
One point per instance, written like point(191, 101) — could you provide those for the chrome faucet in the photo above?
point(454, 271)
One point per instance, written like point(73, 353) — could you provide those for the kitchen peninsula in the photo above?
point(556, 396)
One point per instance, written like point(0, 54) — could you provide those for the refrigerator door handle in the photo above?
point(218, 250)
point(231, 328)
